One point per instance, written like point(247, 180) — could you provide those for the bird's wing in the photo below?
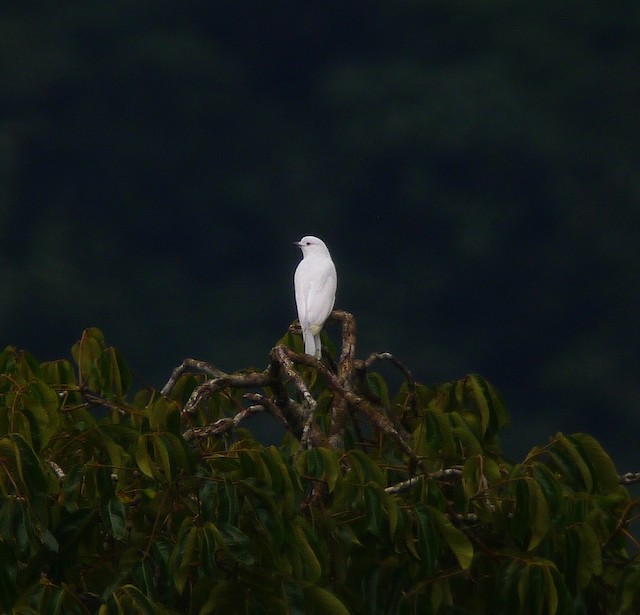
point(315, 286)
point(300, 283)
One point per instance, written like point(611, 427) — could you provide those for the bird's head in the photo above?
point(311, 245)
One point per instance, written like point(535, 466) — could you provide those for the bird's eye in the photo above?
point(308, 243)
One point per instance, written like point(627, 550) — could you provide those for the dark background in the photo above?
point(473, 167)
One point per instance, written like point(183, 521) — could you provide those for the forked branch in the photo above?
point(286, 377)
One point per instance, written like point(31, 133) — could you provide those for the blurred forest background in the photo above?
point(474, 168)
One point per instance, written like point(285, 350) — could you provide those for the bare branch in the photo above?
point(348, 338)
point(292, 411)
point(57, 470)
point(629, 478)
point(339, 408)
point(95, 400)
point(375, 415)
point(283, 356)
point(221, 426)
point(408, 376)
point(187, 364)
point(444, 474)
point(236, 381)
point(269, 406)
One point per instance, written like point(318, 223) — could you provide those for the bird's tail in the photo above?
point(310, 342)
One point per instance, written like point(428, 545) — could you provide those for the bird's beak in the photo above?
point(297, 243)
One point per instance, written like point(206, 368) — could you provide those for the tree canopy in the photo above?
point(115, 500)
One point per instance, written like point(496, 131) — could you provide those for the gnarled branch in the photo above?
point(298, 418)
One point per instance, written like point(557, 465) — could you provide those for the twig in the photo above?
point(408, 376)
point(444, 474)
point(95, 400)
point(57, 470)
point(348, 351)
point(361, 367)
point(339, 407)
point(187, 364)
point(236, 381)
point(283, 356)
point(629, 478)
point(358, 403)
point(223, 425)
point(269, 406)
point(292, 411)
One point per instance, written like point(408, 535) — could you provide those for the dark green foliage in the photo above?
point(106, 507)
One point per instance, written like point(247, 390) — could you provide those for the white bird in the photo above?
point(315, 282)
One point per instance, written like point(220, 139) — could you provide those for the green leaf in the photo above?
point(455, 538)
point(391, 508)
point(551, 593)
point(370, 586)
point(119, 375)
point(478, 474)
point(311, 568)
point(319, 601)
point(208, 541)
point(59, 373)
point(550, 486)
point(291, 490)
point(331, 463)
point(8, 577)
point(24, 466)
point(629, 589)
point(571, 463)
point(137, 602)
point(507, 585)
point(113, 515)
point(162, 413)
point(143, 458)
point(471, 476)
point(365, 468)
point(36, 409)
point(86, 353)
point(50, 541)
point(229, 505)
point(184, 553)
point(487, 402)
point(73, 526)
point(434, 436)
point(378, 387)
point(24, 530)
point(162, 455)
point(528, 585)
point(161, 550)
point(111, 452)
point(373, 508)
point(236, 542)
point(315, 463)
point(427, 538)
point(600, 464)
point(52, 601)
point(168, 455)
point(524, 590)
point(521, 518)
point(468, 441)
point(587, 557)
point(142, 574)
point(225, 597)
point(27, 365)
point(538, 513)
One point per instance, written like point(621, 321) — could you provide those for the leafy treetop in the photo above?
point(113, 501)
